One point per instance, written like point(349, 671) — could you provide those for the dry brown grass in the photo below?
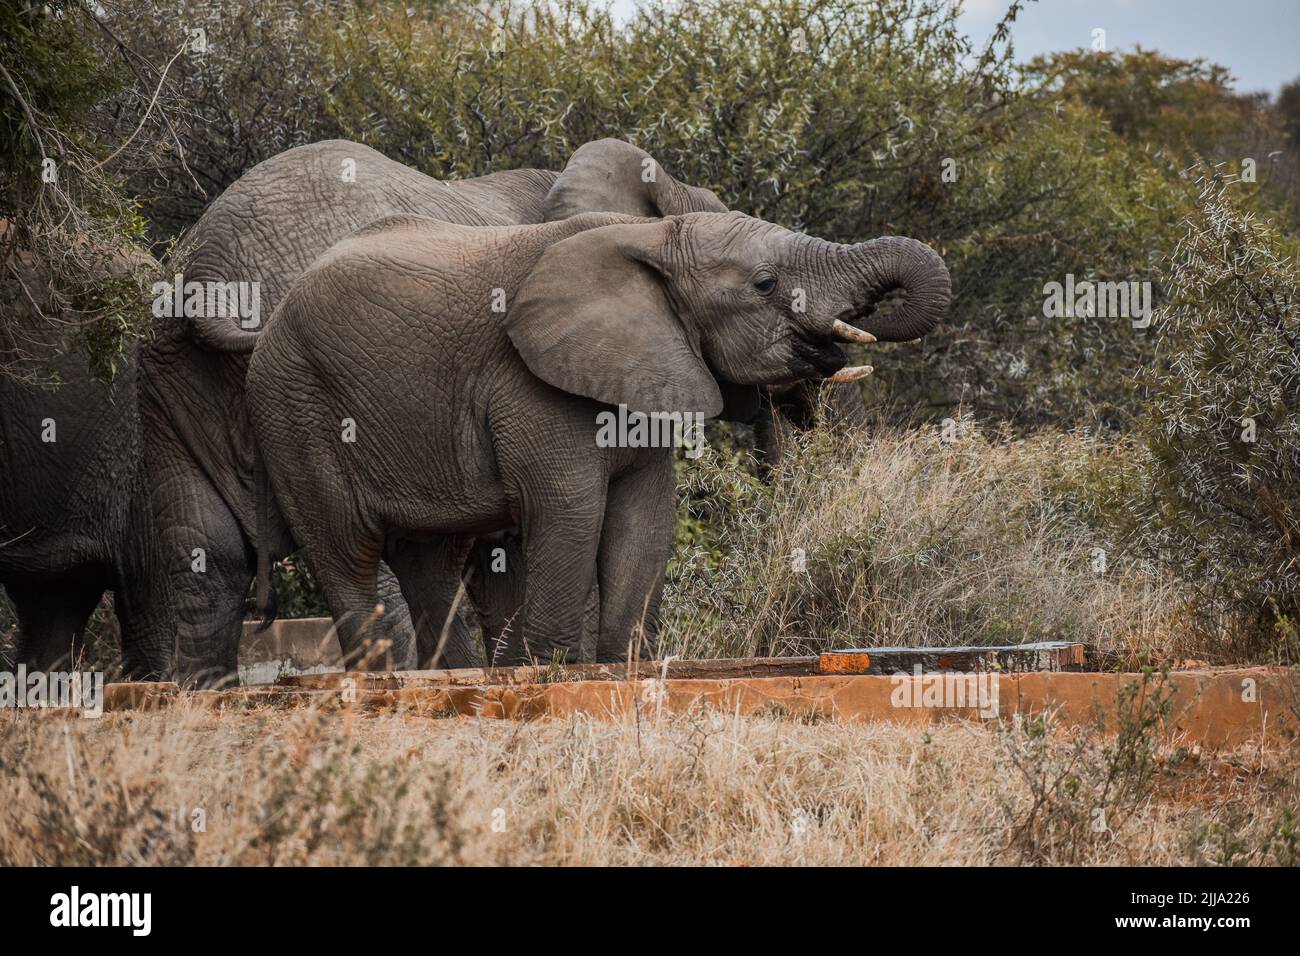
point(307, 788)
point(912, 537)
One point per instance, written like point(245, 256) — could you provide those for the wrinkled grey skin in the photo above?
point(268, 227)
point(75, 516)
point(470, 421)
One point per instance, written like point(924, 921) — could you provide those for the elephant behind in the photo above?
point(75, 512)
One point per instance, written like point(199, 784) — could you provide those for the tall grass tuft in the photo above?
point(940, 535)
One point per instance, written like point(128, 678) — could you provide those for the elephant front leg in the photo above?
point(560, 546)
point(635, 544)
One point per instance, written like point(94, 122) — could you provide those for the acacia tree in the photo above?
point(247, 83)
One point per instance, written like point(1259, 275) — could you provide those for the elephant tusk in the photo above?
point(851, 333)
point(850, 374)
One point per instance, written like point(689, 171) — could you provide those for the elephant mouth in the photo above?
point(815, 358)
point(844, 331)
point(818, 355)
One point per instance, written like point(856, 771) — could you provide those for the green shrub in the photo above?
point(1077, 790)
point(67, 226)
point(249, 86)
point(1220, 501)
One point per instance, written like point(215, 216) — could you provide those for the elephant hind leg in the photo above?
point(495, 579)
point(209, 565)
point(148, 648)
point(430, 576)
point(142, 601)
point(52, 618)
point(397, 622)
point(346, 563)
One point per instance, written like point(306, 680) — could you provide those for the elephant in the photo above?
point(76, 517)
point(477, 364)
point(266, 229)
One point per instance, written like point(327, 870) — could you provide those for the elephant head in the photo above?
point(655, 315)
point(610, 175)
point(614, 176)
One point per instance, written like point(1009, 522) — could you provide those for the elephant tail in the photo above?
point(268, 600)
point(223, 335)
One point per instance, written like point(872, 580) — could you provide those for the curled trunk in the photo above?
point(889, 264)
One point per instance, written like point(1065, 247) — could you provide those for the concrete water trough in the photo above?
point(915, 686)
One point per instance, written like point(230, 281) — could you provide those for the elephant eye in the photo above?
point(765, 284)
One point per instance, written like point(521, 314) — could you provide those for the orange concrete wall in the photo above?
point(1213, 708)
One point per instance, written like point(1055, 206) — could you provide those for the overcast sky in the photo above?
point(1258, 40)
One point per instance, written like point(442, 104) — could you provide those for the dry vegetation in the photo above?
point(309, 788)
point(934, 535)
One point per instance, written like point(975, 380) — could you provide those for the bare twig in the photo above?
point(109, 158)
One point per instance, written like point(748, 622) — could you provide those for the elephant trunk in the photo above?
point(888, 264)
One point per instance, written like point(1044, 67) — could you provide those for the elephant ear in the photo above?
point(594, 318)
point(610, 175)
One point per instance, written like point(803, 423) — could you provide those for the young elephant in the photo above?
point(424, 383)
